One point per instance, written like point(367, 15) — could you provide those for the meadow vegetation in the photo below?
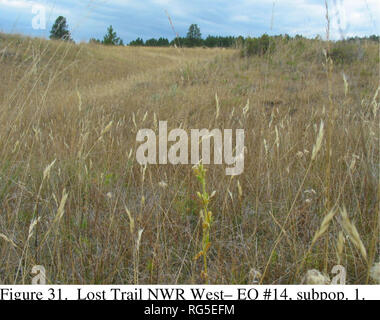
point(74, 199)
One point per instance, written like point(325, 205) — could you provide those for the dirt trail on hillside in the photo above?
point(133, 81)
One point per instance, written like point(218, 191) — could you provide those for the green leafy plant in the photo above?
point(205, 216)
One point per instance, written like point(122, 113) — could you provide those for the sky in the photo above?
point(149, 18)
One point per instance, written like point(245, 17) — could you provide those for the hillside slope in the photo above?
point(68, 124)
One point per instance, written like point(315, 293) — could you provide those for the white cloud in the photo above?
point(163, 2)
point(17, 3)
point(240, 18)
point(350, 17)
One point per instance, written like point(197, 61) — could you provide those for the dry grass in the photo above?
point(74, 199)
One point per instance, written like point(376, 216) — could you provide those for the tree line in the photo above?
point(60, 31)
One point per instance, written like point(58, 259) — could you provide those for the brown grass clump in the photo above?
point(74, 200)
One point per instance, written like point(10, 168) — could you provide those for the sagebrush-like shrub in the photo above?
point(257, 46)
point(343, 53)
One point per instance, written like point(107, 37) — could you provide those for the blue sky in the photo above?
point(147, 18)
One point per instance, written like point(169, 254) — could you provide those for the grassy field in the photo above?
point(74, 199)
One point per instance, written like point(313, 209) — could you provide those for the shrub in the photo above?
point(344, 52)
point(257, 46)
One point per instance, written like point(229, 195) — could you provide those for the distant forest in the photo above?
point(223, 41)
point(193, 38)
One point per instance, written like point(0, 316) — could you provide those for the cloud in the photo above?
point(17, 3)
point(240, 18)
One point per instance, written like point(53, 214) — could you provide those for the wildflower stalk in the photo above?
point(205, 216)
